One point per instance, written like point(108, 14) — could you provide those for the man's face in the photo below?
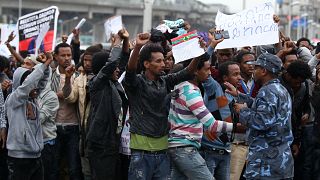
point(304, 44)
point(168, 63)
point(87, 63)
point(64, 57)
point(203, 73)
point(115, 74)
point(245, 68)
point(64, 38)
point(289, 59)
point(27, 63)
point(233, 76)
point(156, 65)
point(258, 74)
point(33, 93)
point(224, 55)
point(295, 83)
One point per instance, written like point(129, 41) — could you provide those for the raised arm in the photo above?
point(141, 40)
point(12, 51)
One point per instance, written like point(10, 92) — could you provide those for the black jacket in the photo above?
point(300, 106)
point(315, 101)
point(106, 103)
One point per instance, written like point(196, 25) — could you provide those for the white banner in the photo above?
point(250, 27)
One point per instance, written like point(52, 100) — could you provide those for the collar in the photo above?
point(275, 80)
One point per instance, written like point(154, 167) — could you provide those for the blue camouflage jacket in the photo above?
point(270, 135)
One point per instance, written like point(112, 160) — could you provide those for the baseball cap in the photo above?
point(268, 61)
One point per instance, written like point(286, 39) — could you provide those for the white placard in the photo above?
point(79, 25)
point(187, 48)
point(112, 26)
point(4, 51)
point(43, 31)
point(250, 27)
point(6, 30)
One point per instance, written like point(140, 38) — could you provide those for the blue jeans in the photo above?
point(218, 163)
point(187, 163)
point(67, 145)
point(149, 165)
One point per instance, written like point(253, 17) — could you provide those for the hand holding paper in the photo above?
point(186, 47)
point(112, 26)
point(79, 25)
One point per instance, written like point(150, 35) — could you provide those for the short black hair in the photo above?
point(61, 45)
point(147, 50)
point(99, 59)
point(202, 59)
point(303, 39)
point(299, 69)
point(4, 63)
point(242, 53)
point(224, 68)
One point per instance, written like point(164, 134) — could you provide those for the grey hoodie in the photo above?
point(49, 105)
point(25, 135)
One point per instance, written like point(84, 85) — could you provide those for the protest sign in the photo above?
point(30, 26)
point(186, 47)
point(43, 31)
point(251, 27)
point(4, 51)
point(83, 20)
point(112, 26)
point(6, 29)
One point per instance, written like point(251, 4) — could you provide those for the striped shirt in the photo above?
point(189, 117)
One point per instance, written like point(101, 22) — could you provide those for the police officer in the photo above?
point(268, 118)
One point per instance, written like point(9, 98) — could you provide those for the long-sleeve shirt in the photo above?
point(189, 118)
point(218, 104)
point(270, 135)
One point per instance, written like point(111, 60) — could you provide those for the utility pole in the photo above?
point(147, 15)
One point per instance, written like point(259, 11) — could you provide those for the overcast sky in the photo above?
point(236, 5)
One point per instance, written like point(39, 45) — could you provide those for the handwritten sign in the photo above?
point(251, 27)
point(112, 26)
point(186, 47)
point(30, 25)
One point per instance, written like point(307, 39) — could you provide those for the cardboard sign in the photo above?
point(251, 27)
point(29, 27)
point(186, 47)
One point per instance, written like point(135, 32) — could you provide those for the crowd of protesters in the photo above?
point(131, 112)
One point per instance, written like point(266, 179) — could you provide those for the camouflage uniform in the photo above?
point(269, 130)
